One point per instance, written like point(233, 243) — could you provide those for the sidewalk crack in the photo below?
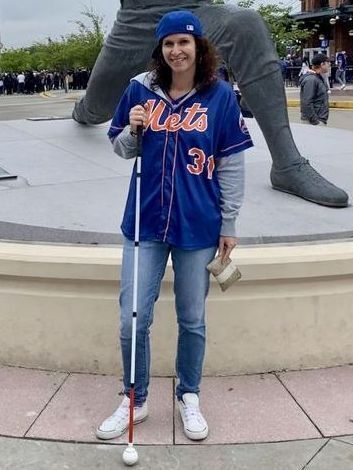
point(47, 404)
point(316, 453)
point(300, 406)
point(341, 440)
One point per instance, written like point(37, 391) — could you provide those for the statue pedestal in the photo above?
point(292, 308)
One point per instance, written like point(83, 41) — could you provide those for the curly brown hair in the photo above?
point(207, 61)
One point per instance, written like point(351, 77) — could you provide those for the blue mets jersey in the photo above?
point(180, 193)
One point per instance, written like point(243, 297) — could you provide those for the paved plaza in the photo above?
point(275, 421)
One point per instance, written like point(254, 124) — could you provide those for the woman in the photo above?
point(305, 67)
point(191, 191)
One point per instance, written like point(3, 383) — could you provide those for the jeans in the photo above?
point(341, 77)
point(191, 283)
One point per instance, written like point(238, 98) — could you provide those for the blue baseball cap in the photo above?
point(178, 22)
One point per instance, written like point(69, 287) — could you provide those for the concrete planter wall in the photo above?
point(293, 309)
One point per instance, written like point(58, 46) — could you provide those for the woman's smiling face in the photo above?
point(179, 52)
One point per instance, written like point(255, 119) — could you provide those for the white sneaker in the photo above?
point(118, 422)
point(342, 87)
point(195, 425)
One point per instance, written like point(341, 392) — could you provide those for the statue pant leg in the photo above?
point(244, 42)
point(122, 56)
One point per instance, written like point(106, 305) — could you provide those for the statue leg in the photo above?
point(121, 57)
point(126, 52)
point(244, 42)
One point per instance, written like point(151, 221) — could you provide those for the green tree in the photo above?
point(14, 60)
point(87, 43)
point(286, 33)
point(246, 3)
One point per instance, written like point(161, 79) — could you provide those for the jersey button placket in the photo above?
point(167, 183)
point(164, 183)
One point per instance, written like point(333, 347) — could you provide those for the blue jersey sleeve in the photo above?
point(234, 135)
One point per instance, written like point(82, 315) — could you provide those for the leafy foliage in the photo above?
point(286, 33)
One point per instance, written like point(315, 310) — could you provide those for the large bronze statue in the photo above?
point(242, 38)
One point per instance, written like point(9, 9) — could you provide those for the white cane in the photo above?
point(130, 455)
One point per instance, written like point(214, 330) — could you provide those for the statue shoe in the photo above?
point(77, 115)
point(304, 181)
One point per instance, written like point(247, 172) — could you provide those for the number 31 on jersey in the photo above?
point(199, 163)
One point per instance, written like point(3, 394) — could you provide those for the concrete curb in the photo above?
point(333, 104)
point(44, 94)
point(66, 97)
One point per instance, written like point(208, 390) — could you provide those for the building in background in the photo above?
point(332, 24)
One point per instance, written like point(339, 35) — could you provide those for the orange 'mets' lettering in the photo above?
point(195, 118)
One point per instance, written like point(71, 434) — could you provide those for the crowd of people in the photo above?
point(340, 71)
point(31, 82)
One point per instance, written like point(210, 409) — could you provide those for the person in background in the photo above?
point(21, 82)
point(305, 67)
point(314, 104)
point(327, 76)
point(341, 62)
point(9, 83)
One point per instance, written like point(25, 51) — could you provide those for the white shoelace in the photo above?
point(193, 413)
point(121, 414)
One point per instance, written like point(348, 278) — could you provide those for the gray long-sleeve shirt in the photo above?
point(230, 173)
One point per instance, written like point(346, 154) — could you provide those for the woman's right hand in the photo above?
point(138, 117)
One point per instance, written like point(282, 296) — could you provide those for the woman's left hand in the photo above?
point(225, 247)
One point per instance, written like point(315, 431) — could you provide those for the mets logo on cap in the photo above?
point(178, 22)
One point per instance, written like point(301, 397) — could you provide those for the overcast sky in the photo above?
point(23, 22)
